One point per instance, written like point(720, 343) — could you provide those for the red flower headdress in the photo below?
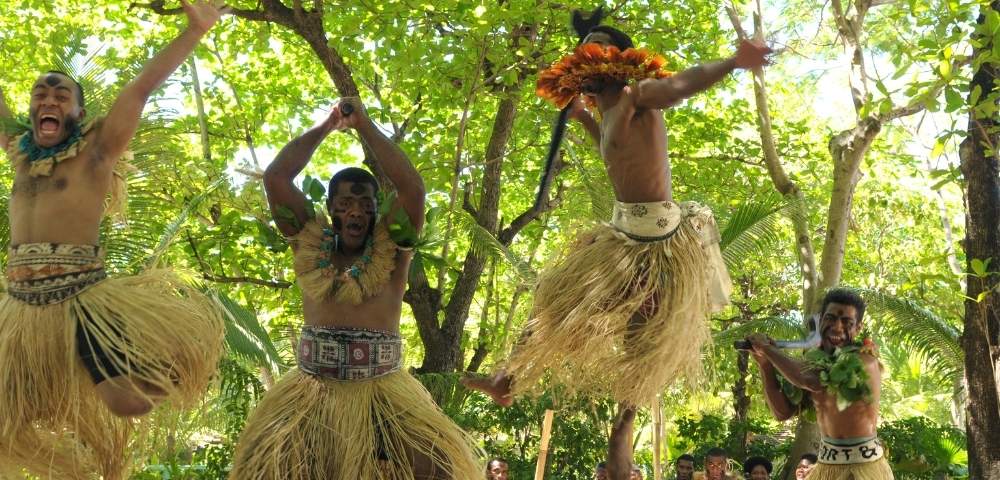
point(593, 66)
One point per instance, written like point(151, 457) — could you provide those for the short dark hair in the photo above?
point(586, 25)
point(754, 461)
point(618, 38)
point(809, 456)
point(79, 88)
point(716, 452)
point(354, 175)
point(493, 460)
point(845, 296)
point(601, 465)
point(686, 456)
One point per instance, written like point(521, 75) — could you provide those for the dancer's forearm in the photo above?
point(397, 166)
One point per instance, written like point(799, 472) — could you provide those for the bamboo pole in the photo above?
point(657, 439)
point(543, 448)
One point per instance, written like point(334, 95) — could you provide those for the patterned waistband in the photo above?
point(648, 221)
point(850, 451)
point(50, 273)
point(349, 354)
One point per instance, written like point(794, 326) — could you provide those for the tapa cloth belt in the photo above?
point(849, 451)
point(648, 221)
point(349, 354)
point(50, 273)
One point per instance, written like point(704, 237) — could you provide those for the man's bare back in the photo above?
point(632, 133)
point(634, 148)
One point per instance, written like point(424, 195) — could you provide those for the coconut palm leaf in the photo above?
point(753, 228)
point(484, 244)
point(170, 233)
point(786, 327)
point(596, 184)
point(245, 337)
point(918, 328)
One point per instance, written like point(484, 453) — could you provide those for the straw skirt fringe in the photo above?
point(52, 422)
point(877, 470)
point(309, 428)
point(618, 317)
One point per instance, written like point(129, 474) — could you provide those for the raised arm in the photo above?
point(580, 114)
point(667, 92)
point(4, 115)
point(389, 157)
point(289, 206)
point(122, 121)
point(795, 371)
point(777, 402)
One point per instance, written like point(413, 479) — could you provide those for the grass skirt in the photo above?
point(877, 470)
point(583, 334)
point(309, 428)
point(52, 421)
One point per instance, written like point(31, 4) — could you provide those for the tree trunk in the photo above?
point(741, 403)
point(981, 337)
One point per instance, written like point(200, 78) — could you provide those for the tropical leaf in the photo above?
point(246, 338)
point(753, 228)
point(783, 327)
point(917, 327)
point(171, 231)
point(484, 244)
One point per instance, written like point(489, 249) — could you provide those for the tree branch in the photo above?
point(206, 272)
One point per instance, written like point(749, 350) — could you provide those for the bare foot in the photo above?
point(497, 387)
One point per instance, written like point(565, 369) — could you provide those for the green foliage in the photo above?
point(919, 448)
point(842, 373)
point(696, 435)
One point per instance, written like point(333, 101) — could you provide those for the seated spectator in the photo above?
point(636, 473)
point(716, 466)
point(806, 464)
point(601, 471)
point(683, 468)
point(757, 468)
point(496, 469)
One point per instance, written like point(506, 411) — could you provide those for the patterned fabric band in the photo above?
point(646, 222)
point(349, 354)
point(849, 451)
point(50, 273)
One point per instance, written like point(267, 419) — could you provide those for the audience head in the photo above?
point(685, 467)
point(757, 468)
point(806, 463)
point(716, 464)
point(496, 469)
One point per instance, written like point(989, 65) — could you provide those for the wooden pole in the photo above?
point(543, 448)
point(657, 439)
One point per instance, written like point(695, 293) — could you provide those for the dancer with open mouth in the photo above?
point(83, 353)
point(846, 404)
point(349, 410)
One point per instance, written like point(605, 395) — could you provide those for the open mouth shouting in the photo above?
point(355, 228)
point(49, 127)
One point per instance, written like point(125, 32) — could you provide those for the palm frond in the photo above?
point(784, 327)
point(246, 338)
point(753, 227)
point(171, 231)
point(596, 185)
point(484, 244)
point(918, 328)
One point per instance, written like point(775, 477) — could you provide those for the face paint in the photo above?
point(358, 189)
point(52, 80)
